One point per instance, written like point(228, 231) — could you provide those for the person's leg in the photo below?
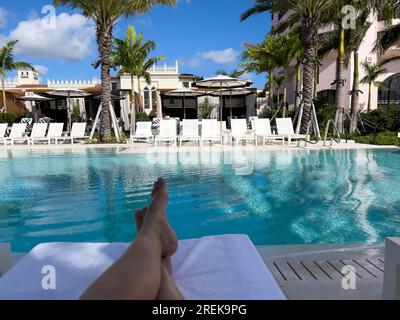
point(137, 274)
point(168, 289)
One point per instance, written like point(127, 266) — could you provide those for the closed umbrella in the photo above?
point(69, 93)
point(222, 82)
point(233, 93)
point(184, 93)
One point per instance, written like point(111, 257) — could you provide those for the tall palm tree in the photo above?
point(373, 71)
point(131, 55)
point(391, 35)
point(310, 15)
point(259, 58)
point(7, 64)
point(278, 82)
point(285, 49)
point(105, 14)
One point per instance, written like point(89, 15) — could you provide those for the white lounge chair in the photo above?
point(17, 134)
point(55, 132)
point(143, 132)
point(211, 268)
point(38, 133)
point(285, 130)
point(262, 128)
point(3, 131)
point(168, 132)
point(77, 133)
point(190, 131)
point(210, 131)
point(240, 131)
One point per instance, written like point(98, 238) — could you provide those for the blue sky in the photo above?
point(203, 35)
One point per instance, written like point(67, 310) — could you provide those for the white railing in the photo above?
point(71, 83)
point(11, 83)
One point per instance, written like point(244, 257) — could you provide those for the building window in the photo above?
point(389, 95)
point(186, 84)
point(114, 86)
point(146, 98)
point(154, 98)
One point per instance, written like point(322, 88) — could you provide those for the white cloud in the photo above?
point(3, 17)
point(70, 39)
point(41, 69)
point(220, 57)
point(217, 56)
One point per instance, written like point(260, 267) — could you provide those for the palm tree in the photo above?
point(279, 82)
point(131, 54)
point(310, 15)
point(373, 71)
point(105, 14)
point(391, 35)
point(7, 64)
point(259, 58)
point(285, 49)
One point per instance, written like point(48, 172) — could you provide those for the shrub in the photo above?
point(384, 120)
point(9, 118)
point(382, 138)
point(142, 116)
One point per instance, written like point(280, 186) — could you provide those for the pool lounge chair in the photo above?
point(262, 128)
point(38, 133)
point(285, 130)
point(77, 133)
point(190, 131)
point(210, 131)
point(240, 131)
point(143, 132)
point(17, 134)
point(168, 132)
point(3, 131)
point(55, 132)
point(212, 268)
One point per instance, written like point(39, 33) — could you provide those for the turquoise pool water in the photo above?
point(276, 197)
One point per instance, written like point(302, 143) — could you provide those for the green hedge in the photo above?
point(384, 120)
point(382, 138)
point(9, 118)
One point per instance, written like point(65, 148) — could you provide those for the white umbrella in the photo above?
point(69, 93)
point(33, 97)
point(184, 92)
point(222, 82)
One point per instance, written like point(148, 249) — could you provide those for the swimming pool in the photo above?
point(276, 197)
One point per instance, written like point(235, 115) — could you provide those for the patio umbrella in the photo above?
point(183, 93)
point(233, 92)
point(69, 93)
point(222, 82)
point(34, 98)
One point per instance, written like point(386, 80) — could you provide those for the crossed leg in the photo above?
point(143, 272)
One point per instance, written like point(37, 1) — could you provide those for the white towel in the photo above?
point(222, 268)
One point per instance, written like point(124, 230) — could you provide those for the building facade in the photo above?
point(380, 97)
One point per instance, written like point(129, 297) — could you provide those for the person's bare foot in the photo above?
point(154, 217)
point(139, 217)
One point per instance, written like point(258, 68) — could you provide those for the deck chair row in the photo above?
point(211, 131)
point(41, 132)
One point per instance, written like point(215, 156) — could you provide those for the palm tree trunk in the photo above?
point(315, 94)
point(369, 97)
point(140, 96)
point(278, 101)
point(284, 97)
point(309, 41)
point(104, 40)
point(355, 94)
point(271, 89)
point(298, 86)
point(133, 108)
point(339, 84)
point(3, 87)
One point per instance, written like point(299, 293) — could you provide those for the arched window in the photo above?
point(389, 94)
point(154, 98)
point(146, 98)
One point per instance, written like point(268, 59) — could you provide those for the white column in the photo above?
point(159, 105)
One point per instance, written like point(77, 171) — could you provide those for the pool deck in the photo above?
point(313, 272)
point(143, 147)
